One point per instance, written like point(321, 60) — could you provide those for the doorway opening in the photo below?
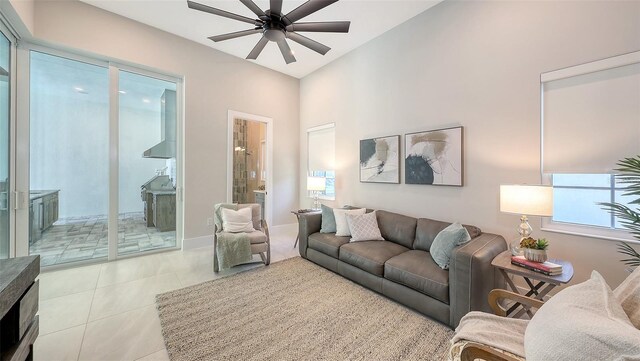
point(249, 161)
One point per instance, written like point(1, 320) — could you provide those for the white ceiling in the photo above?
point(369, 19)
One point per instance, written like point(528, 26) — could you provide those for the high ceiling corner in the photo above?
point(369, 19)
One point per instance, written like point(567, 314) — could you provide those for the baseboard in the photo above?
point(197, 242)
point(207, 241)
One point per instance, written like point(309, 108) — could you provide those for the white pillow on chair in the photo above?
point(583, 322)
point(628, 293)
point(237, 221)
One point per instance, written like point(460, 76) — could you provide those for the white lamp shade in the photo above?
point(316, 183)
point(527, 200)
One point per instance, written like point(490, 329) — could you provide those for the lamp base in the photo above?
point(316, 201)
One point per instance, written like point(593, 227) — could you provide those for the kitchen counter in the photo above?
point(39, 194)
point(162, 192)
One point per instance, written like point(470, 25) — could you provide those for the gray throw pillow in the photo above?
point(328, 220)
point(444, 243)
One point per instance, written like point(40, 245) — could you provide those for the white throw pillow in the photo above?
point(582, 323)
point(364, 227)
point(237, 221)
point(342, 227)
point(628, 293)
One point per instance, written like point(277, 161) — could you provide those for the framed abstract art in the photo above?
point(434, 157)
point(380, 160)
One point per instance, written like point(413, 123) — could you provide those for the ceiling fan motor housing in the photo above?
point(274, 30)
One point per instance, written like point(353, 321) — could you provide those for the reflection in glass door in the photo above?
point(69, 159)
point(147, 163)
point(5, 99)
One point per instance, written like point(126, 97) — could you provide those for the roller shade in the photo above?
point(590, 121)
point(321, 146)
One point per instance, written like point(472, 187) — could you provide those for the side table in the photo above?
point(301, 212)
point(539, 284)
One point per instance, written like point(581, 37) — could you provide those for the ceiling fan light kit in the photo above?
point(278, 28)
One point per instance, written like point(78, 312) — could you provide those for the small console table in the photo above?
point(298, 213)
point(18, 307)
point(539, 284)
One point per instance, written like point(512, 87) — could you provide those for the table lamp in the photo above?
point(316, 185)
point(532, 200)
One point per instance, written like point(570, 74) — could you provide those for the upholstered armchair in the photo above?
point(471, 351)
point(260, 241)
point(585, 321)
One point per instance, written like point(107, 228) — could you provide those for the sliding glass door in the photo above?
point(5, 116)
point(147, 163)
point(103, 159)
point(69, 159)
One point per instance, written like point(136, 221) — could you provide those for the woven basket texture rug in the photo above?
point(294, 310)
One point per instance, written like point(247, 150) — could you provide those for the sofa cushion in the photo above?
point(370, 256)
point(397, 228)
point(364, 227)
point(327, 243)
point(257, 237)
point(449, 238)
point(428, 229)
point(328, 220)
point(342, 227)
point(417, 270)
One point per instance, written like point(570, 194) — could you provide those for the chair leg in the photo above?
point(216, 267)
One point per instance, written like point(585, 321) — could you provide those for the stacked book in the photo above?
point(546, 268)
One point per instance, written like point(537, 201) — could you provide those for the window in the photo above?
point(321, 157)
point(590, 118)
point(577, 197)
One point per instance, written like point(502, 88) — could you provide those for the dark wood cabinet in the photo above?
point(19, 325)
point(43, 212)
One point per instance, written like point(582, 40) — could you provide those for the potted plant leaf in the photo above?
point(535, 250)
point(629, 218)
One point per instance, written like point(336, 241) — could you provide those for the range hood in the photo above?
point(166, 149)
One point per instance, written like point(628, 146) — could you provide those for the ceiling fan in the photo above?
point(277, 27)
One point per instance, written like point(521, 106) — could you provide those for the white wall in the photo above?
point(214, 83)
point(475, 64)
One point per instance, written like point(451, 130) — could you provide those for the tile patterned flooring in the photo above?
point(85, 238)
point(107, 311)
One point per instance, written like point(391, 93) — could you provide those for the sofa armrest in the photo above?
point(472, 277)
point(307, 224)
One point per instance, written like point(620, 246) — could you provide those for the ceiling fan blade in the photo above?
point(208, 9)
point(258, 48)
point(275, 7)
point(305, 9)
point(286, 51)
point(321, 27)
point(309, 43)
point(253, 7)
point(234, 35)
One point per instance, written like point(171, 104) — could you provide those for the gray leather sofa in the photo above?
point(401, 268)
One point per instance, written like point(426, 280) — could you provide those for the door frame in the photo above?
point(22, 137)
point(231, 116)
point(13, 38)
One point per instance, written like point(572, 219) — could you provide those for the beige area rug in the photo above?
point(294, 310)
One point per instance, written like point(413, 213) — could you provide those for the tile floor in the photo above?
point(107, 311)
point(83, 238)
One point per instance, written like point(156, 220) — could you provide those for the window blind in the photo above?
point(321, 148)
point(592, 120)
